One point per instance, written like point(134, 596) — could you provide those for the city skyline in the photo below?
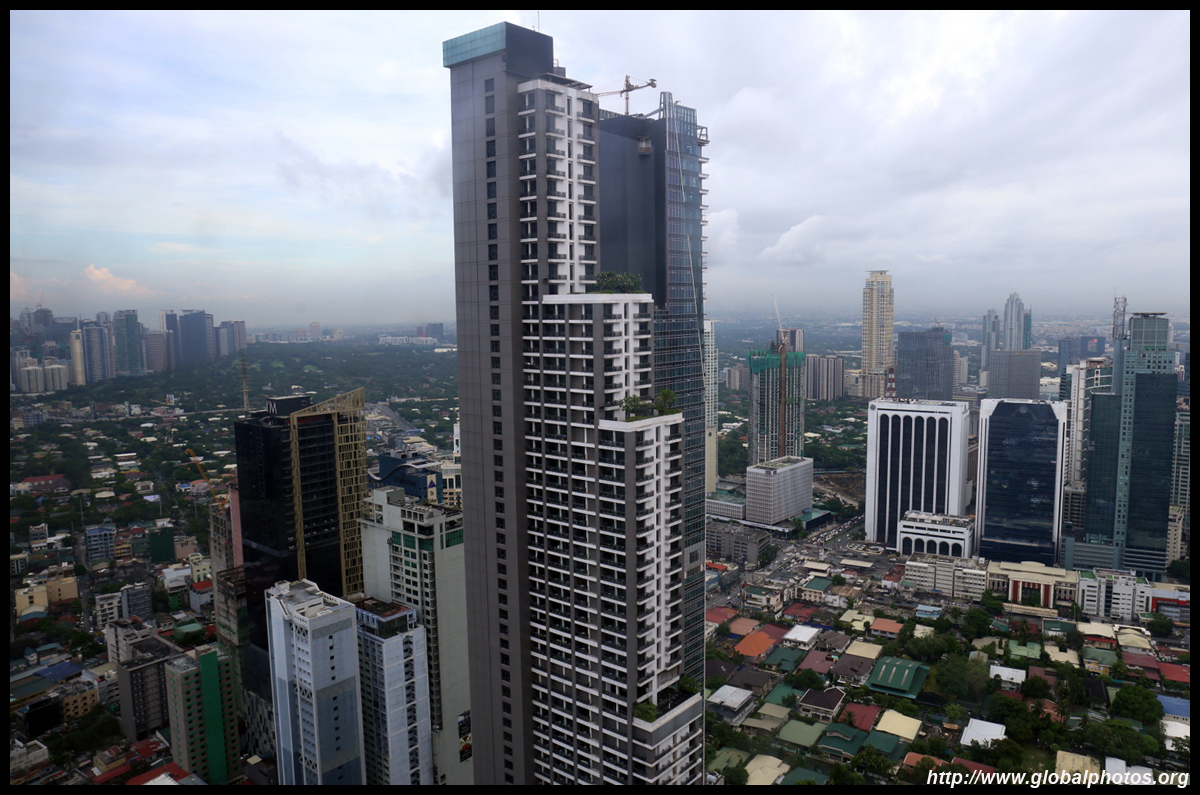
point(157, 160)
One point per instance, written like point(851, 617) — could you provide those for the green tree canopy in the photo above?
point(1137, 703)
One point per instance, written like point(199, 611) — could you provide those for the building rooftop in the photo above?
point(939, 518)
point(826, 699)
point(852, 667)
point(863, 715)
point(802, 734)
point(755, 644)
point(801, 634)
point(897, 676)
point(886, 625)
point(730, 697)
point(902, 726)
point(818, 584)
point(779, 463)
point(982, 731)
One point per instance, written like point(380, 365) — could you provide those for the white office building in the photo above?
point(938, 534)
point(779, 489)
point(315, 687)
point(916, 461)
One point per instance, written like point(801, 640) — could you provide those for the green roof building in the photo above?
point(798, 774)
point(785, 659)
point(898, 677)
point(782, 691)
point(800, 734)
point(889, 745)
point(840, 740)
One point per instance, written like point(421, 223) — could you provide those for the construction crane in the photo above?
point(630, 87)
point(220, 498)
point(780, 347)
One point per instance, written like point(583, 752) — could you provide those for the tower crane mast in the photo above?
point(629, 87)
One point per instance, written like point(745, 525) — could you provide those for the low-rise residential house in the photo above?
point(852, 670)
point(731, 704)
point(1010, 678)
point(886, 628)
point(823, 705)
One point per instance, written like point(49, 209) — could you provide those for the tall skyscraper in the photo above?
point(1027, 330)
point(414, 554)
point(1068, 354)
point(196, 337)
point(651, 192)
point(776, 405)
point(1013, 327)
point(916, 461)
point(160, 351)
point(393, 671)
point(169, 324)
point(97, 352)
point(711, 393)
point(203, 715)
point(301, 484)
point(572, 493)
point(315, 686)
point(78, 362)
point(1181, 464)
point(991, 338)
point(924, 365)
point(1015, 375)
point(824, 377)
point(1129, 463)
point(877, 358)
point(1018, 489)
point(127, 335)
point(791, 338)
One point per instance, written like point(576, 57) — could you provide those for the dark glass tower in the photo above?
point(1019, 486)
point(651, 183)
point(196, 337)
point(1131, 445)
point(301, 485)
point(924, 365)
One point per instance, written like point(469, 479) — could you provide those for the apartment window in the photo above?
point(503, 583)
point(489, 104)
point(499, 522)
point(491, 190)
point(504, 661)
point(495, 329)
point(498, 460)
point(506, 708)
point(497, 444)
point(495, 312)
point(499, 507)
point(494, 290)
point(495, 362)
point(493, 251)
point(493, 273)
point(491, 169)
point(489, 85)
point(491, 149)
point(496, 343)
point(496, 379)
point(501, 539)
point(493, 231)
point(489, 128)
point(491, 209)
point(496, 411)
point(497, 427)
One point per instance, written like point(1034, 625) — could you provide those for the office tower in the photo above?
point(1027, 330)
point(1090, 347)
point(202, 713)
point(1130, 454)
point(301, 483)
point(315, 686)
point(824, 377)
point(127, 337)
point(711, 393)
point(392, 661)
point(414, 554)
point(1083, 380)
point(651, 190)
point(143, 687)
point(778, 490)
point(960, 371)
point(97, 352)
point(991, 338)
point(1013, 327)
point(1018, 490)
point(435, 330)
point(78, 365)
point(160, 351)
point(223, 335)
point(1181, 464)
point(776, 405)
point(196, 337)
point(553, 547)
point(916, 461)
point(924, 365)
point(1068, 354)
point(877, 359)
point(169, 325)
point(1015, 374)
point(103, 317)
point(791, 338)
point(239, 334)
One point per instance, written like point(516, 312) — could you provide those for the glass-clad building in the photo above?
point(1022, 446)
point(924, 365)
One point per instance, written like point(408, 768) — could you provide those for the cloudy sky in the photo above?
point(289, 167)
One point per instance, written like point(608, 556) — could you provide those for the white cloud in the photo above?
point(800, 244)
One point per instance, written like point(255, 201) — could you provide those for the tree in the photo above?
point(1036, 687)
point(958, 677)
point(956, 713)
point(612, 282)
point(1074, 639)
point(80, 570)
point(768, 554)
point(842, 775)
point(839, 579)
point(723, 630)
point(907, 708)
point(715, 682)
point(736, 776)
point(664, 401)
point(978, 624)
point(1181, 569)
point(806, 679)
point(871, 760)
point(1032, 599)
point(992, 603)
point(1161, 625)
point(955, 614)
point(1137, 703)
point(634, 406)
point(789, 701)
point(1118, 670)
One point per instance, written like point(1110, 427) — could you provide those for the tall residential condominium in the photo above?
point(991, 338)
point(393, 672)
point(201, 703)
point(1130, 455)
point(160, 351)
point(301, 485)
point(141, 680)
point(1015, 374)
point(877, 359)
point(776, 405)
point(572, 483)
point(196, 341)
point(824, 377)
point(1084, 378)
point(1181, 463)
point(924, 365)
point(127, 340)
point(413, 554)
point(916, 461)
point(169, 324)
point(315, 686)
point(790, 338)
point(1013, 324)
point(1018, 489)
point(651, 191)
point(98, 354)
point(711, 393)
